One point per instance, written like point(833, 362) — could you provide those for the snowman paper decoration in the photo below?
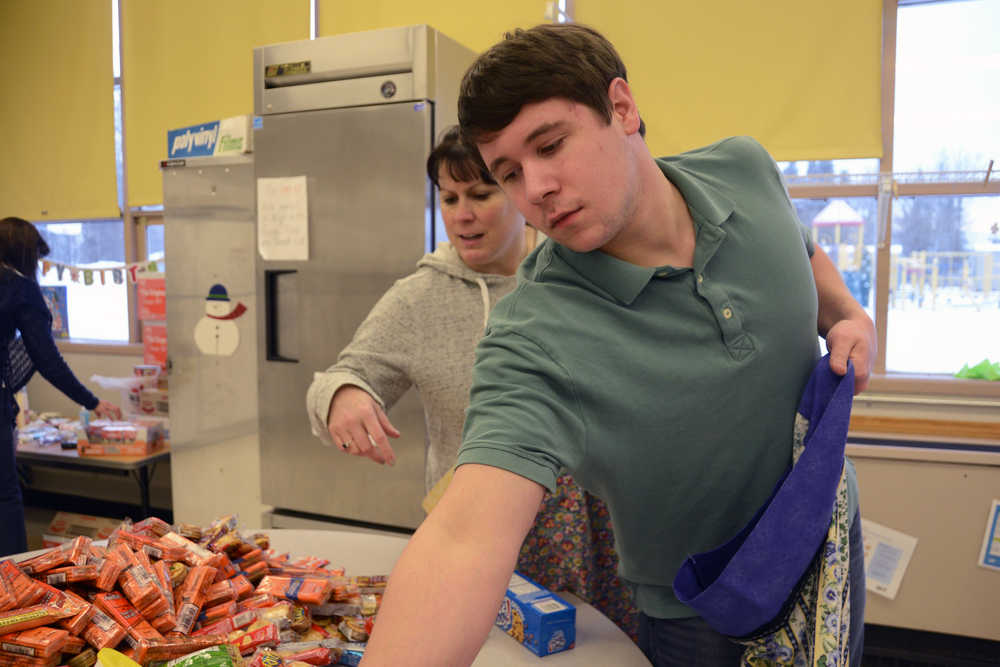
point(217, 333)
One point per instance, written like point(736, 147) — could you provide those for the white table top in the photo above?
point(598, 640)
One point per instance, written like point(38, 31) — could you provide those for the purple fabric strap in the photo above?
point(742, 585)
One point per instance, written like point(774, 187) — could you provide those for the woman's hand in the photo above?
point(108, 410)
point(359, 426)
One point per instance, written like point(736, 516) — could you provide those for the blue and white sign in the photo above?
point(989, 555)
point(228, 136)
point(194, 141)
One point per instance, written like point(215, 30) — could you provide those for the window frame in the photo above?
point(887, 388)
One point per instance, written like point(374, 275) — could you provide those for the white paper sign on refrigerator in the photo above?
point(283, 218)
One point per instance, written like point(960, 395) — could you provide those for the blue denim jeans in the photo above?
point(691, 642)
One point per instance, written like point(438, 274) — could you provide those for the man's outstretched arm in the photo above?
point(444, 593)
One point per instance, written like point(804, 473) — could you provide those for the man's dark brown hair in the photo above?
point(566, 60)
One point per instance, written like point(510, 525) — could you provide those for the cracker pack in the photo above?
point(537, 617)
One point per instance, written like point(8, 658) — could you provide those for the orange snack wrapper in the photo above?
point(257, 601)
point(190, 597)
point(164, 623)
point(76, 624)
point(152, 526)
point(7, 597)
point(156, 650)
point(257, 571)
point(74, 552)
point(194, 554)
point(162, 572)
point(118, 608)
point(247, 641)
point(34, 643)
point(219, 611)
point(110, 566)
point(20, 585)
point(13, 660)
point(219, 592)
point(225, 569)
point(72, 574)
point(158, 607)
point(308, 590)
point(25, 618)
point(73, 645)
point(314, 656)
point(251, 557)
point(228, 625)
point(103, 631)
point(51, 595)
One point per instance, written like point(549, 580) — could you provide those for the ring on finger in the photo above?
point(345, 445)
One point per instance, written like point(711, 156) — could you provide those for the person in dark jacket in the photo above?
point(22, 308)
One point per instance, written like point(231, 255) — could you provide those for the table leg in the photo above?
point(144, 491)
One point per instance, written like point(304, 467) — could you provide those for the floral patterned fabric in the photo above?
point(815, 629)
point(571, 548)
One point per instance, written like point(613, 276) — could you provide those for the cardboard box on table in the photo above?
point(66, 526)
point(131, 440)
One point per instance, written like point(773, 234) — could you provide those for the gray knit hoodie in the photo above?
point(422, 332)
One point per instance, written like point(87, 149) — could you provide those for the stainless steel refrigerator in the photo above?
point(355, 114)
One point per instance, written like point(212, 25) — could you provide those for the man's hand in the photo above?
point(849, 332)
point(851, 339)
point(359, 425)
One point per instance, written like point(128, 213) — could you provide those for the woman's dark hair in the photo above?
point(463, 162)
point(567, 60)
point(21, 246)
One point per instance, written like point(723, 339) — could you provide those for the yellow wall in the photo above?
point(475, 26)
point(57, 114)
point(803, 78)
point(187, 62)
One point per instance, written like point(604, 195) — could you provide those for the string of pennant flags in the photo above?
point(100, 276)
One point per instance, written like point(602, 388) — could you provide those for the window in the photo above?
point(916, 235)
point(944, 284)
point(97, 311)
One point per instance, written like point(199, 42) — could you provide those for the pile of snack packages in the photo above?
point(182, 598)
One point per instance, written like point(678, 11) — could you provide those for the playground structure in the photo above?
point(930, 279)
point(922, 279)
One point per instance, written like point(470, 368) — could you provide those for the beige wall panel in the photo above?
point(943, 505)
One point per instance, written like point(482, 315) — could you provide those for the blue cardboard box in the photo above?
point(537, 617)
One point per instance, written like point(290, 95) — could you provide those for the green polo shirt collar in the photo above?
point(622, 281)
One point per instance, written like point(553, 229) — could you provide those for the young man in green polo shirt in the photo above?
point(656, 347)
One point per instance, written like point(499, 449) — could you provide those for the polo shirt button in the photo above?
point(727, 313)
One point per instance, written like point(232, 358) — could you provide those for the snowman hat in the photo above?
point(217, 293)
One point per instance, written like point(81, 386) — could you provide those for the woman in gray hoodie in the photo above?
point(423, 333)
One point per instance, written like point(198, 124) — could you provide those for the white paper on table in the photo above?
point(283, 218)
point(989, 555)
point(887, 553)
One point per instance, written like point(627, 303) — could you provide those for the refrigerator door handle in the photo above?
point(272, 340)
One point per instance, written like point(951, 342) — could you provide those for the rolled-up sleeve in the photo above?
point(524, 412)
